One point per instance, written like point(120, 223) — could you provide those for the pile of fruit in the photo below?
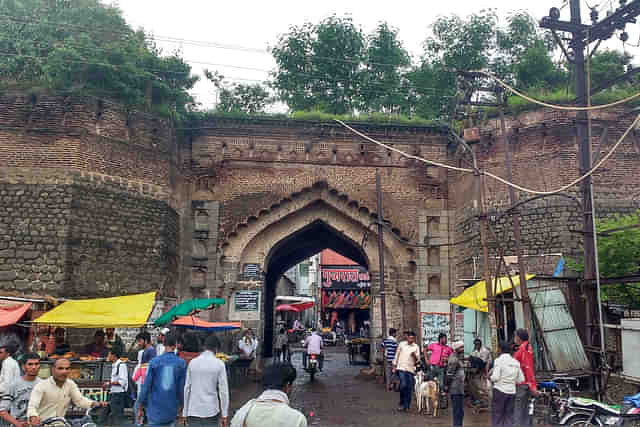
point(222, 356)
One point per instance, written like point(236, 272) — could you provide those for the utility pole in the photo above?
point(515, 221)
point(491, 302)
point(582, 36)
point(383, 306)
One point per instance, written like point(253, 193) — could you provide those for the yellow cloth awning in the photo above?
point(129, 311)
point(475, 297)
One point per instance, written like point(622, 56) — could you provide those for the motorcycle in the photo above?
point(312, 366)
point(588, 412)
point(329, 338)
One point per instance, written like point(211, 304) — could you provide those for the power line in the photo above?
point(496, 177)
point(177, 40)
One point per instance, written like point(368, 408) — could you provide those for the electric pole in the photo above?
point(515, 221)
point(383, 306)
point(582, 36)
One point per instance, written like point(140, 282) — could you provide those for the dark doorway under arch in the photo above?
point(295, 248)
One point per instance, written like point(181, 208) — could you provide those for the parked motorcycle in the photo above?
point(589, 412)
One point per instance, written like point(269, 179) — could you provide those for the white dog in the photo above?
point(427, 395)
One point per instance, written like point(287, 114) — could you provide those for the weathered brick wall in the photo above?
point(545, 157)
point(256, 164)
point(81, 133)
point(89, 206)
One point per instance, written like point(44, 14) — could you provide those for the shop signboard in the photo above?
point(433, 324)
point(345, 278)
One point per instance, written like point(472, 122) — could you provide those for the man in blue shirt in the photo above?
point(162, 393)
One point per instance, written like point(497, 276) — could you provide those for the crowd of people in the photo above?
point(511, 375)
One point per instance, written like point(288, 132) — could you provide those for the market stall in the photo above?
point(87, 371)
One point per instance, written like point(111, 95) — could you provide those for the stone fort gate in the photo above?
point(268, 194)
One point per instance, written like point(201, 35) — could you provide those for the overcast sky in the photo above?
point(233, 36)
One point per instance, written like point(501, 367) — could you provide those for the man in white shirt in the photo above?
point(271, 408)
point(10, 371)
point(160, 349)
point(313, 345)
point(206, 391)
point(119, 384)
point(248, 345)
point(52, 397)
point(404, 363)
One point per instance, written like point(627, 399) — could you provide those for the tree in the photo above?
point(243, 98)
point(85, 46)
point(319, 66)
point(606, 65)
point(618, 255)
point(384, 86)
point(456, 44)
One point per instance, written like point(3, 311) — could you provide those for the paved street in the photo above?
point(339, 397)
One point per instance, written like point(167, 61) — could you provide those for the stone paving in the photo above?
point(340, 397)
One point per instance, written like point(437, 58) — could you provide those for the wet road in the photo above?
point(340, 397)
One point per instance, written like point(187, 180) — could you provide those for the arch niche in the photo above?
point(297, 228)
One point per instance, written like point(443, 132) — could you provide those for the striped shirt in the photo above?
point(390, 346)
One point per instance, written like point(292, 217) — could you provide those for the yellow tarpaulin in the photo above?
point(475, 297)
point(129, 311)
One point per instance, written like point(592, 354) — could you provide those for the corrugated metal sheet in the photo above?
point(562, 342)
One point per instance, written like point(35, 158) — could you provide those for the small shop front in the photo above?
point(346, 299)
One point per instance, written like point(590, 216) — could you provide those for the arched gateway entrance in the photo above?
point(299, 227)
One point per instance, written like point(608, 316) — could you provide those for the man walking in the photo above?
point(10, 371)
point(455, 375)
point(271, 408)
point(14, 397)
point(53, 396)
point(529, 387)
point(404, 363)
point(119, 384)
point(162, 393)
point(161, 344)
point(206, 392)
point(390, 346)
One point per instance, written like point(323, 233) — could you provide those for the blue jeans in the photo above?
point(407, 383)
point(171, 424)
point(457, 406)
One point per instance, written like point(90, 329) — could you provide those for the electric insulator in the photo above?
point(623, 2)
point(554, 13)
point(624, 37)
point(594, 15)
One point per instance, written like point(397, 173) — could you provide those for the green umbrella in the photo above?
point(187, 308)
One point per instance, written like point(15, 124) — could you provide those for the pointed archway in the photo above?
point(299, 227)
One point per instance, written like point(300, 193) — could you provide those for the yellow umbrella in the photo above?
point(475, 297)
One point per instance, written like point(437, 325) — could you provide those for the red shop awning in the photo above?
point(295, 307)
point(11, 315)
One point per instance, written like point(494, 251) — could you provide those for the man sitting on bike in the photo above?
point(52, 397)
point(313, 345)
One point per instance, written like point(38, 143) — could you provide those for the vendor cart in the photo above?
point(358, 350)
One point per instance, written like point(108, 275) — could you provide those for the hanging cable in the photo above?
point(557, 107)
point(498, 178)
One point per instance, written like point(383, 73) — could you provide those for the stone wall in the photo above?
point(88, 202)
point(545, 153)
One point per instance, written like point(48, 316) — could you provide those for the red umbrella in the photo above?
point(295, 307)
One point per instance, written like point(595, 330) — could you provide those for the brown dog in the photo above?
point(428, 397)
